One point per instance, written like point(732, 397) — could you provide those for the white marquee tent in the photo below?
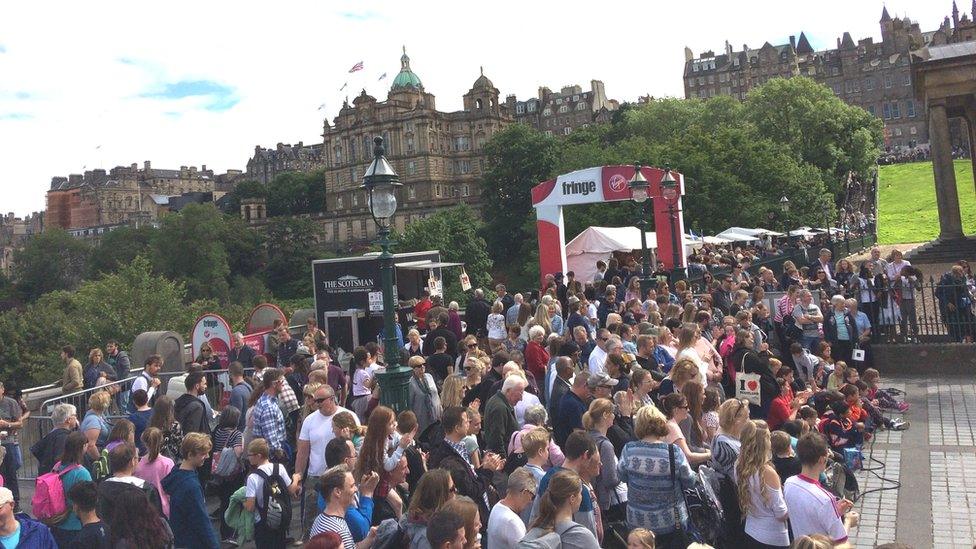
point(599, 243)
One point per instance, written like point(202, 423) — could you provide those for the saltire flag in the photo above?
point(382, 76)
point(356, 67)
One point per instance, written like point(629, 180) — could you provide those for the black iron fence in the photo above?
point(917, 311)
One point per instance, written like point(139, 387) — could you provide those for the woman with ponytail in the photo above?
point(555, 520)
point(611, 494)
point(154, 466)
point(760, 492)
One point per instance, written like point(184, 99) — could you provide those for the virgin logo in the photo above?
point(618, 183)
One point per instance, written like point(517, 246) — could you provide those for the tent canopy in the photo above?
point(598, 243)
point(739, 234)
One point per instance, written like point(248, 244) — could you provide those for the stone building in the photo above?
point(266, 164)
point(14, 231)
point(438, 155)
point(567, 110)
point(124, 194)
point(873, 76)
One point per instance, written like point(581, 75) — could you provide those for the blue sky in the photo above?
point(192, 83)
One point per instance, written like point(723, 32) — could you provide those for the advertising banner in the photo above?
point(214, 330)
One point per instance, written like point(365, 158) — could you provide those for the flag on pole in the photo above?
point(357, 67)
point(382, 76)
point(344, 86)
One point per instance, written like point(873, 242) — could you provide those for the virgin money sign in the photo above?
point(213, 329)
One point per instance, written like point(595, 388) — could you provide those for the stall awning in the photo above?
point(427, 264)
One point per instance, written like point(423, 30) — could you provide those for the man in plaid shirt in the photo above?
point(269, 421)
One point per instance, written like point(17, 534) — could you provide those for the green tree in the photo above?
point(455, 232)
point(242, 190)
point(295, 193)
point(119, 247)
point(519, 158)
point(292, 245)
point(817, 126)
point(52, 260)
point(189, 248)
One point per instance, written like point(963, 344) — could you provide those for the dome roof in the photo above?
point(406, 78)
point(482, 81)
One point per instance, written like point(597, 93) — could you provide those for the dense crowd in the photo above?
point(598, 414)
point(915, 154)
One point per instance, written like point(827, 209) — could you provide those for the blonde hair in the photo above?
point(534, 441)
point(99, 401)
point(754, 455)
point(542, 317)
point(729, 412)
point(345, 420)
point(95, 352)
point(649, 421)
point(562, 486)
point(198, 443)
point(467, 509)
point(644, 537)
point(452, 391)
point(684, 370)
point(260, 447)
point(598, 408)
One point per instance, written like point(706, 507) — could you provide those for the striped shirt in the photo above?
point(331, 523)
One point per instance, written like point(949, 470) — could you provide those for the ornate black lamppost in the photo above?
point(638, 193)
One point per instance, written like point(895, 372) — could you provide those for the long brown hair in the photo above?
point(152, 438)
point(693, 393)
point(374, 446)
point(163, 415)
point(433, 490)
point(562, 486)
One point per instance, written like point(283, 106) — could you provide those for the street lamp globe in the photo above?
point(380, 183)
point(784, 204)
point(638, 185)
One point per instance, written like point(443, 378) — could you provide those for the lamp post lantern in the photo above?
point(638, 193)
point(669, 188)
point(784, 206)
point(381, 183)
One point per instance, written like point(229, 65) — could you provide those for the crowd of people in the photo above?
point(900, 155)
point(582, 417)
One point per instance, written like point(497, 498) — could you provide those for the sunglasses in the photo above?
point(323, 399)
point(472, 345)
point(421, 365)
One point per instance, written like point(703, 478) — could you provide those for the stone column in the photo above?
point(946, 194)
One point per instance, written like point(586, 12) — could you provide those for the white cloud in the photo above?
point(86, 76)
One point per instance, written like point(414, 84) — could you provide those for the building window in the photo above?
point(887, 81)
point(338, 155)
point(411, 168)
point(895, 110)
point(437, 191)
point(547, 112)
point(910, 108)
point(531, 106)
point(701, 80)
point(908, 79)
point(355, 200)
point(567, 130)
point(913, 130)
point(898, 132)
point(886, 110)
point(548, 133)
point(564, 108)
point(835, 71)
point(869, 84)
point(695, 67)
point(520, 108)
point(871, 110)
point(339, 202)
point(410, 147)
point(465, 190)
point(348, 230)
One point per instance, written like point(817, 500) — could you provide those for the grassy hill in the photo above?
point(906, 202)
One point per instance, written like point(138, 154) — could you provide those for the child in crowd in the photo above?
point(344, 425)
point(93, 534)
point(784, 458)
point(836, 378)
point(880, 397)
point(809, 416)
point(710, 412)
point(640, 538)
point(808, 365)
point(840, 429)
point(874, 413)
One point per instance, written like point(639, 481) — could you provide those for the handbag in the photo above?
point(680, 539)
point(747, 385)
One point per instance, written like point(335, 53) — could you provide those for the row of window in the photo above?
point(566, 131)
point(440, 191)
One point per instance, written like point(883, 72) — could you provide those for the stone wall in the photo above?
point(925, 359)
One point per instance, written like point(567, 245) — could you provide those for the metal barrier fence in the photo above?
point(927, 312)
point(40, 423)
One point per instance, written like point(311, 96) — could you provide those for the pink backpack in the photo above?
point(49, 502)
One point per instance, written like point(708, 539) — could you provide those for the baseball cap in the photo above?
point(597, 380)
point(6, 496)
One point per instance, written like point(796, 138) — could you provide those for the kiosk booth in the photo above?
point(349, 294)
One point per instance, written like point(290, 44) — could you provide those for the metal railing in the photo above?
point(929, 312)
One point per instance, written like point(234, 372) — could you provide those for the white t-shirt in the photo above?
point(528, 399)
point(505, 528)
point(255, 485)
point(597, 361)
point(317, 430)
point(691, 354)
point(812, 509)
point(358, 383)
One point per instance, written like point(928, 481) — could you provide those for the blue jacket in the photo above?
point(34, 534)
point(571, 409)
point(188, 515)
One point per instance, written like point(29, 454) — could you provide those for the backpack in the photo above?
point(705, 512)
point(390, 535)
point(552, 540)
point(515, 459)
point(48, 502)
point(276, 511)
point(99, 468)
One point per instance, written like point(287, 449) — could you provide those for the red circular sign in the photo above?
point(618, 183)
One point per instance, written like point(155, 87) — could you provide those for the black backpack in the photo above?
point(515, 459)
point(276, 511)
